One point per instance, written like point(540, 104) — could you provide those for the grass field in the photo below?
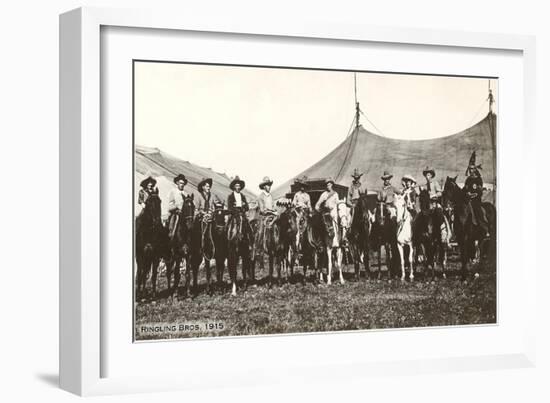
point(294, 307)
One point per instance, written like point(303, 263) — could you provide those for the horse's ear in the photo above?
point(454, 180)
point(192, 196)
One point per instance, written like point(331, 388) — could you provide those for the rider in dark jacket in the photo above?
point(474, 190)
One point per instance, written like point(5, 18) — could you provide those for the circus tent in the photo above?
point(372, 154)
point(164, 167)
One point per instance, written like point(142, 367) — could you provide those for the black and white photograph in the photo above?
point(271, 200)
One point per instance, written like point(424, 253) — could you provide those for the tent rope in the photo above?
point(373, 125)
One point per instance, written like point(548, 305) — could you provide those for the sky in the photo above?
point(276, 122)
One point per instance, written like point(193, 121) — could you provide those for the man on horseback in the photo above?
point(147, 188)
point(207, 201)
point(301, 199)
point(267, 212)
point(356, 190)
point(326, 205)
point(176, 198)
point(410, 193)
point(387, 194)
point(237, 203)
point(434, 190)
point(206, 207)
point(474, 190)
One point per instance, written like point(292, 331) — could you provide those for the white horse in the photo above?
point(404, 233)
point(341, 220)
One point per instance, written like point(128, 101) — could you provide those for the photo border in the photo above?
point(81, 172)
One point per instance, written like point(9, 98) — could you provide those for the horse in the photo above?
point(203, 248)
point(468, 236)
point(289, 225)
point(239, 242)
point(219, 238)
point(383, 233)
point(404, 233)
point(359, 235)
point(327, 226)
point(273, 247)
point(181, 246)
point(430, 239)
point(149, 241)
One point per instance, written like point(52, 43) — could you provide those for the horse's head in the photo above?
point(400, 204)
point(451, 191)
point(344, 215)
point(188, 209)
point(152, 206)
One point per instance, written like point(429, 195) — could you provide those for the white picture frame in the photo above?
point(82, 343)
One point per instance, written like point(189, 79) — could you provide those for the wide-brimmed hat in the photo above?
point(146, 181)
point(265, 181)
point(408, 178)
point(180, 177)
point(429, 170)
point(356, 174)
point(329, 180)
point(235, 181)
point(203, 182)
point(386, 175)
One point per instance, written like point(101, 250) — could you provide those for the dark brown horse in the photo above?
point(209, 241)
point(149, 241)
point(470, 237)
point(384, 234)
point(181, 246)
point(427, 234)
point(239, 242)
point(273, 246)
point(359, 235)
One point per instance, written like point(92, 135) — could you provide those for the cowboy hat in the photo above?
point(386, 175)
point(408, 178)
point(203, 182)
point(356, 174)
point(429, 170)
point(235, 181)
point(180, 177)
point(329, 180)
point(146, 181)
point(265, 181)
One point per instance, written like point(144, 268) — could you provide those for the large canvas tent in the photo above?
point(372, 154)
point(164, 167)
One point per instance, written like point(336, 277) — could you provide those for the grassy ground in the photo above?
point(294, 307)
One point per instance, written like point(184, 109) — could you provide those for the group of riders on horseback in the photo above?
point(420, 218)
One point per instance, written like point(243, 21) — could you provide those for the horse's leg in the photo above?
point(188, 269)
point(411, 262)
point(379, 260)
point(208, 275)
point(329, 263)
point(169, 269)
point(462, 245)
point(389, 260)
point(402, 260)
point(339, 256)
point(232, 266)
point(270, 270)
point(177, 275)
point(154, 269)
point(195, 268)
point(245, 267)
point(280, 261)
